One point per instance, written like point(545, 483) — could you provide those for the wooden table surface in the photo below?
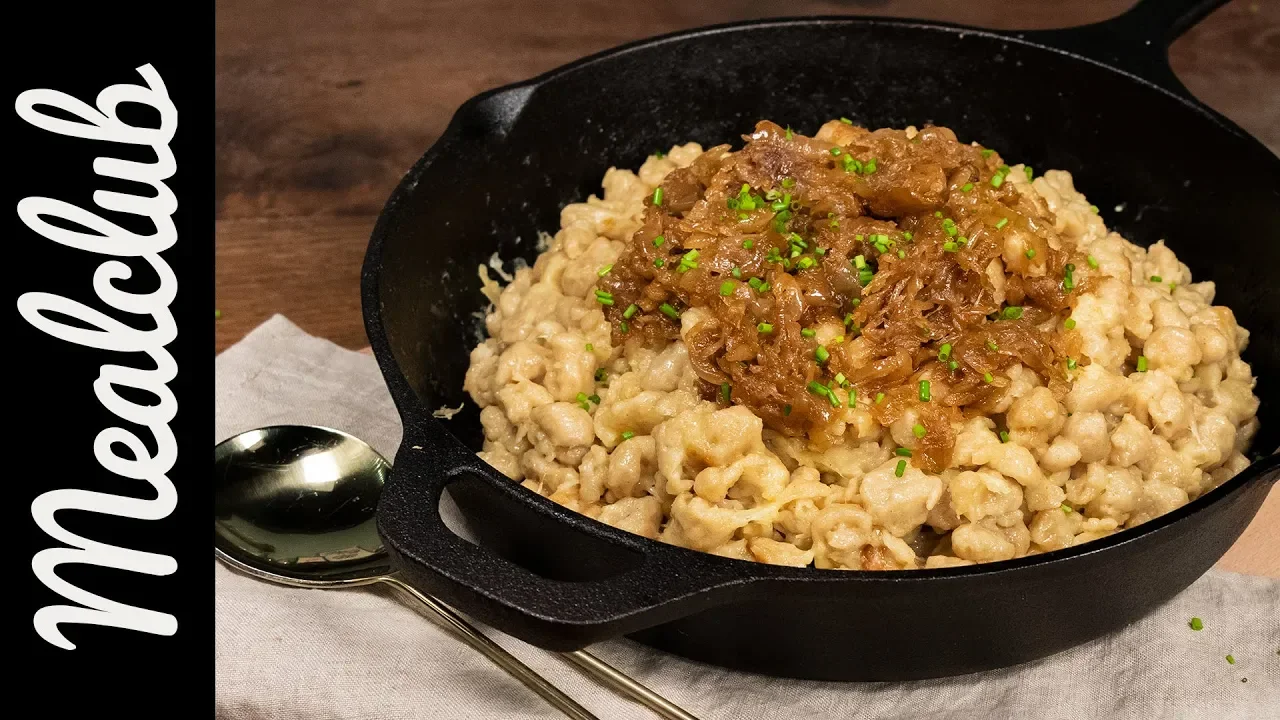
point(323, 104)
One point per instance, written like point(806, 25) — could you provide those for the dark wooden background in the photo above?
point(323, 104)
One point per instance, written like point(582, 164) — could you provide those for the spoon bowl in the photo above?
point(296, 505)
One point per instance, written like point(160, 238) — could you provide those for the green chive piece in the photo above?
point(821, 354)
point(726, 391)
point(992, 346)
point(764, 328)
point(937, 213)
point(604, 271)
point(688, 261)
point(864, 276)
point(594, 398)
point(748, 244)
point(901, 468)
point(631, 311)
point(818, 388)
point(820, 252)
point(726, 287)
point(1027, 169)
point(944, 352)
point(217, 314)
point(987, 153)
point(604, 298)
point(627, 434)
point(788, 182)
point(859, 261)
point(805, 263)
point(840, 379)
point(1013, 312)
point(1093, 209)
point(950, 247)
point(879, 398)
point(1002, 223)
point(601, 374)
point(966, 187)
point(918, 430)
point(657, 196)
point(591, 348)
point(997, 180)
point(902, 254)
point(1072, 364)
point(786, 410)
point(987, 378)
point(624, 327)
point(1196, 624)
point(669, 311)
point(659, 154)
point(1156, 279)
point(949, 226)
point(1066, 509)
point(789, 133)
point(1069, 323)
point(659, 262)
point(755, 283)
point(924, 391)
point(953, 365)
point(846, 121)
point(736, 273)
point(1004, 436)
point(657, 241)
point(807, 332)
point(870, 166)
point(1142, 363)
point(1231, 660)
point(1093, 262)
point(1031, 253)
point(835, 151)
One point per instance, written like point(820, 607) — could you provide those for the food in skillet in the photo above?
point(861, 350)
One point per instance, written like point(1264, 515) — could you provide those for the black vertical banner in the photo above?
point(110, 349)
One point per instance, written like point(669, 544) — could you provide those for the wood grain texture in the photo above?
point(323, 104)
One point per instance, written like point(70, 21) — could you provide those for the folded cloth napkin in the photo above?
point(294, 654)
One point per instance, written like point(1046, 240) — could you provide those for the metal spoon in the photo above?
point(294, 505)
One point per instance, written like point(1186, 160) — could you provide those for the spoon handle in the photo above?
point(494, 652)
point(616, 679)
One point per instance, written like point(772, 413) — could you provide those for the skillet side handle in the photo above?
point(665, 582)
point(1136, 41)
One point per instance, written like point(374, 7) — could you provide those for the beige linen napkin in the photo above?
point(291, 654)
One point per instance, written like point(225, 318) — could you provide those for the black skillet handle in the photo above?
point(1136, 41)
point(664, 583)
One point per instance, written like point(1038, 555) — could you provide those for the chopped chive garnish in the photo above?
point(818, 388)
point(1093, 209)
point(902, 452)
point(604, 271)
point(726, 391)
point(1196, 624)
point(992, 346)
point(788, 182)
point(840, 379)
point(748, 244)
point(755, 283)
point(821, 354)
point(859, 261)
point(1066, 509)
point(944, 352)
point(864, 276)
point(657, 241)
point(949, 226)
point(949, 246)
point(1072, 364)
point(1069, 323)
point(1004, 436)
point(786, 410)
point(805, 263)
point(846, 121)
point(1027, 169)
point(1013, 312)
point(601, 374)
point(835, 151)
point(807, 332)
point(902, 254)
point(924, 391)
point(627, 434)
point(1003, 221)
point(953, 365)
point(688, 261)
point(624, 327)
point(1031, 253)
point(820, 252)
point(1156, 279)
point(594, 398)
point(659, 154)
point(879, 398)
point(1142, 363)
point(591, 348)
point(987, 153)
point(631, 311)
point(997, 180)
point(581, 398)
point(966, 187)
point(669, 311)
point(789, 133)
point(1231, 660)
point(987, 378)
point(736, 272)
point(657, 196)
point(870, 166)
point(918, 430)
point(604, 298)
point(659, 262)
point(726, 287)
point(1093, 262)
point(901, 468)
point(765, 328)
point(937, 213)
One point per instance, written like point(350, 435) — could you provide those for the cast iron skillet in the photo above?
point(1099, 101)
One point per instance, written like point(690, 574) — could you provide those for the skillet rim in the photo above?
point(1265, 467)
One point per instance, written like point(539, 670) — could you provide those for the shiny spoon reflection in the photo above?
point(295, 505)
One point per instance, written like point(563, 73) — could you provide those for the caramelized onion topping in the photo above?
point(852, 263)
